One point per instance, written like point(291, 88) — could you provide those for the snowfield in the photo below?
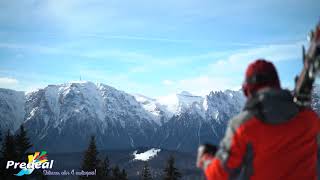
point(145, 156)
point(58, 114)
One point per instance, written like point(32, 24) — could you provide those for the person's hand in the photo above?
point(205, 155)
point(204, 161)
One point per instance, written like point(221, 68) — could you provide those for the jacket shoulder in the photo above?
point(241, 119)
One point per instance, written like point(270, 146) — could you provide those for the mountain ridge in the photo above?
point(62, 117)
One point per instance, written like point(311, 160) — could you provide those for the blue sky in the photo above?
point(150, 47)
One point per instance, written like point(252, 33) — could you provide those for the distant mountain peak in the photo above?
point(185, 93)
point(58, 114)
point(142, 98)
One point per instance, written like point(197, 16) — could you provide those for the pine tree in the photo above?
point(123, 175)
point(119, 175)
point(171, 172)
point(0, 145)
point(146, 175)
point(22, 144)
point(91, 161)
point(116, 175)
point(8, 151)
point(37, 175)
point(8, 147)
point(104, 169)
point(1, 159)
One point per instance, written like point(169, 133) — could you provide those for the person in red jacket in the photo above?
point(272, 138)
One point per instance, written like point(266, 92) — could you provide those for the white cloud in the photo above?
point(228, 72)
point(167, 82)
point(126, 56)
point(140, 38)
point(225, 73)
point(7, 82)
point(31, 47)
point(139, 69)
point(237, 62)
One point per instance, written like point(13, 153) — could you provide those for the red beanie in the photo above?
point(260, 74)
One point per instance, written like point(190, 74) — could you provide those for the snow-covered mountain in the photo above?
point(164, 108)
point(63, 117)
point(11, 109)
point(159, 111)
point(202, 120)
point(181, 102)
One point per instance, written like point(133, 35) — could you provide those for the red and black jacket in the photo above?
point(271, 139)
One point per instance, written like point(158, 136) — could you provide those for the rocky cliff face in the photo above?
point(12, 104)
point(63, 117)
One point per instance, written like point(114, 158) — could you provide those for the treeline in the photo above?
point(106, 172)
point(92, 162)
point(16, 148)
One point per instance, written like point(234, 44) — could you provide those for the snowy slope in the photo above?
point(11, 109)
point(63, 117)
point(159, 111)
point(147, 155)
point(181, 102)
point(220, 106)
point(199, 120)
point(167, 106)
point(61, 113)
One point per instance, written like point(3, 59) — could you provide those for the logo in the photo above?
point(36, 161)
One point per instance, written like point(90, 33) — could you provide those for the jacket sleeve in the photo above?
point(228, 160)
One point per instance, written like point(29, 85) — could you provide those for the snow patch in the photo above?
point(145, 156)
point(178, 103)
